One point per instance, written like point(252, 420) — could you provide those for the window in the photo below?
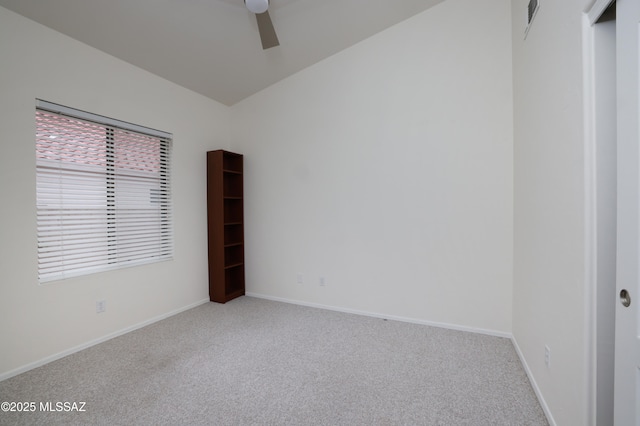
point(103, 193)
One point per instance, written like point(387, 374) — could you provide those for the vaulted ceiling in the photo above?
point(212, 46)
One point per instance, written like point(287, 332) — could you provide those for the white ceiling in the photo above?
point(212, 46)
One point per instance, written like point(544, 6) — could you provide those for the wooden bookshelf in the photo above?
point(225, 225)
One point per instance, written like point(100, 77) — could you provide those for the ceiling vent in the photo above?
point(532, 10)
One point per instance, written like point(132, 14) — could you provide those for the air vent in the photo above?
point(532, 9)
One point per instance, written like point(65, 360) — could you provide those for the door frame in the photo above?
point(599, 349)
point(627, 374)
point(627, 274)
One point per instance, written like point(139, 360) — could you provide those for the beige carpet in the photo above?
point(258, 362)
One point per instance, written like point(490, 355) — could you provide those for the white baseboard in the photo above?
point(377, 315)
point(534, 385)
point(90, 343)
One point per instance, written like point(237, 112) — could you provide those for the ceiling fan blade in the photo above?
point(267, 32)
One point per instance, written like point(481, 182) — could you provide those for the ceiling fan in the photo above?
point(265, 26)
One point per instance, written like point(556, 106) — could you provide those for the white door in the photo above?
point(627, 357)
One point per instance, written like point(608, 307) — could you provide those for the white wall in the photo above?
point(550, 282)
point(387, 169)
point(39, 321)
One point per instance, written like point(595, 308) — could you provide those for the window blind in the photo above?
point(103, 193)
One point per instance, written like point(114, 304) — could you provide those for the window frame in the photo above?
point(132, 195)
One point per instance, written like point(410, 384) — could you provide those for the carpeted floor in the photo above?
point(258, 362)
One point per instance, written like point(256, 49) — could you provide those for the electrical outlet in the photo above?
point(547, 356)
point(101, 306)
point(322, 281)
point(300, 279)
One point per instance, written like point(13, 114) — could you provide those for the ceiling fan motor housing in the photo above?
point(257, 6)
